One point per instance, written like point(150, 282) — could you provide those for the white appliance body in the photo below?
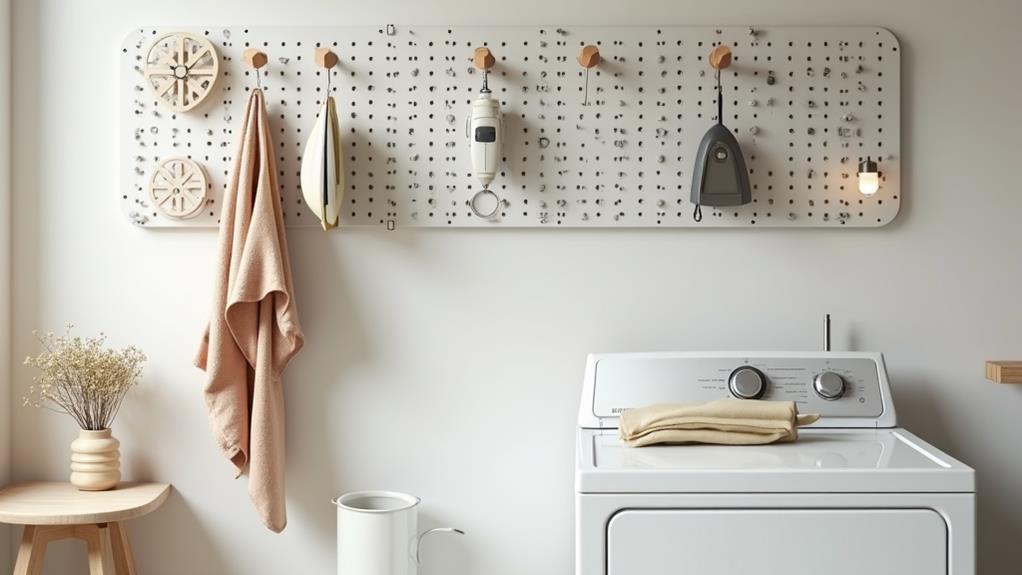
point(485, 132)
point(854, 495)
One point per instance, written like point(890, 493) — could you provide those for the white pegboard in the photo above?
point(625, 159)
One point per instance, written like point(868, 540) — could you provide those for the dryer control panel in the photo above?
point(846, 389)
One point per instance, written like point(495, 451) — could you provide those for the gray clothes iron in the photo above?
point(720, 177)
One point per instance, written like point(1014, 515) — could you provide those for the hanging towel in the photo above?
point(253, 331)
point(725, 421)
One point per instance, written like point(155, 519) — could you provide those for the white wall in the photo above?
point(5, 255)
point(447, 363)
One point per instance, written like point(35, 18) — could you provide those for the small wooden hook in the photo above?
point(254, 58)
point(325, 58)
point(483, 58)
point(589, 57)
point(720, 57)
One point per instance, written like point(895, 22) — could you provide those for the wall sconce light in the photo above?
point(869, 177)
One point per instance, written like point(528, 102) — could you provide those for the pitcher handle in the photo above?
point(418, 540)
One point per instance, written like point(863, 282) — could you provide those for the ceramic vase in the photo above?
point(95, 460)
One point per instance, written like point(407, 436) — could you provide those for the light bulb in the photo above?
point(869, 177)
point(869, 183)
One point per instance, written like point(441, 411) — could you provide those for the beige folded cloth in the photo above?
point(253, 331)
point(725, 421)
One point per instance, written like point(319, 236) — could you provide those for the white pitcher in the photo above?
point(378, 533)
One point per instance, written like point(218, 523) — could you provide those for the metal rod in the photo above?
point(585, 97)
point(826, 332)
point(720, 101)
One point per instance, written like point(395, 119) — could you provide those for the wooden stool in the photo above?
point(51, 511)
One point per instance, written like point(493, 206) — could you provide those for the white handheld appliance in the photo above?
point(485, 132)
point(378, 533)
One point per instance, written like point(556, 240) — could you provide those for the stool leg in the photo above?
point(30, 552)
point(97, 538)
point(124, 562)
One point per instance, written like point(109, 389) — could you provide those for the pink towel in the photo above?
point(254, 331)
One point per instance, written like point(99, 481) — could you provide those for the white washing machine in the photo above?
point(855, 495)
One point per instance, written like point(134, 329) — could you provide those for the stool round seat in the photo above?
point(60, 503)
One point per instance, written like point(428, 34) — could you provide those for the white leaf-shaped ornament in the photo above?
point(322, 168)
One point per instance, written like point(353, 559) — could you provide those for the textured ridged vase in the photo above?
point(95, 460)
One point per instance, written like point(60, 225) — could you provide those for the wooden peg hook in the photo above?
point(254, 58)
point(720, 57)
point(325, 58)
point(483, 58)
point(589, 57)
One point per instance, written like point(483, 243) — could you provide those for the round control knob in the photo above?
point(829, 385)
point(747, 382)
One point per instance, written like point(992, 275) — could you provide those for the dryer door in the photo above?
point(777, 542)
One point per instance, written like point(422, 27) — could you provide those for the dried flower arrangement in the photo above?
point(82, 378)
